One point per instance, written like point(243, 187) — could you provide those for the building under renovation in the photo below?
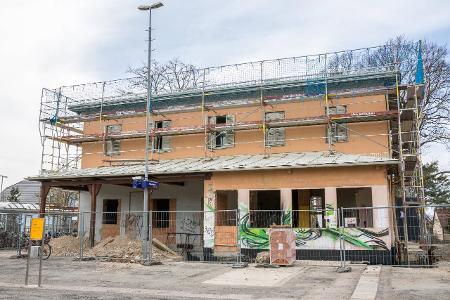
point(283, 141)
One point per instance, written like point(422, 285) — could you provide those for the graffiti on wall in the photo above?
point(314, 238)
point(189, 225)
point(208, 227)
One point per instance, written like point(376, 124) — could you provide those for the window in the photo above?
point(357, 204)
point(265, 208)
point(226, 205)
point(110, 210)
point(275, 136)
point(112, 146)
point(221, 138)
point(338, 131)
point(113, 129)
point(162, 143)
point(308, 208)
point(161, 216)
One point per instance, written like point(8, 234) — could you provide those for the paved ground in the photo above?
point(64, 278)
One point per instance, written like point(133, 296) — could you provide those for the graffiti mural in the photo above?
point(209, 218)
point(315, 238)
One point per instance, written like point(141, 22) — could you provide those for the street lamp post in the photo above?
point(1, 184)
point(146, 254)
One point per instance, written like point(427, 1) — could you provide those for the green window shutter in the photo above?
point(229, 134)
point(275, 136)
point(338, 132)
point(211, 135)
point(112, 147)
point(113, 129)
point(115, 147)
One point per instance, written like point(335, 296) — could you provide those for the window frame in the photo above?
point(106, 219)
point(227, 136)
point(111, 145)
point(275, 132)
point(162, 143)
point(339, 131)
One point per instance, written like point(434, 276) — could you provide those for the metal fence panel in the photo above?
point(397, 235)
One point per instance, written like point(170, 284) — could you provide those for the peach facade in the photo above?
point(363, 138)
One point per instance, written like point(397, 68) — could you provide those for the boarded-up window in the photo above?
point(221, 138)
point(338, 131)
point(275, 136)
point(162, 142)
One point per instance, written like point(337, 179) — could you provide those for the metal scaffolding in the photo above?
point(325, 77)
point(65, 110)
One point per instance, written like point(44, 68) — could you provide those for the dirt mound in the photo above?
point(113, 248)
point(124, 249)
point(65, 246)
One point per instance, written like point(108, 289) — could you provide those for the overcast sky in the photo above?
point(48, 43)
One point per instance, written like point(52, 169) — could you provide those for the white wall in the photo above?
point(188, 198)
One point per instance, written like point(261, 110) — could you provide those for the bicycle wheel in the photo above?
point(46, 251)
point(23, 249)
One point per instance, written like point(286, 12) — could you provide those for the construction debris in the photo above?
point(111, 248)
point(263, 257)
point(160, 245)
point(66, 245)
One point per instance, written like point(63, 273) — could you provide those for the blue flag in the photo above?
point(419, 69)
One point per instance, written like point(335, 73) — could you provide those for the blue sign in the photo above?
point(139, 183)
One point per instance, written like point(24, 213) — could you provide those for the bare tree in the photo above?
point(435, 110)
point(61, 198)
point(170, 77)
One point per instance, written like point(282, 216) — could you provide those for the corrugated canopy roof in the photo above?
point(225, 163)
point(17, 207)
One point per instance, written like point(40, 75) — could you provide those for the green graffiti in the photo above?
point(286, 217)
point(258, 238)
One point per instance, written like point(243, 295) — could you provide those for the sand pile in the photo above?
point(66, 246)
point(113, 248)
point(124, 249)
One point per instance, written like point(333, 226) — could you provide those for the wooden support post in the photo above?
point(45, 188)
point(93, 191)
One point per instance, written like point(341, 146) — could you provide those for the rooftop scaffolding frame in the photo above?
point(64, 110)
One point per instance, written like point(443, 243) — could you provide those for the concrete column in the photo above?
point(209, 206)
point(380, 198)
point(331, 197)
point(244, 201)
point(286, 199)
point(286, 203)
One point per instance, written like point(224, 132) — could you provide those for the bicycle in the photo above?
point(25, 245)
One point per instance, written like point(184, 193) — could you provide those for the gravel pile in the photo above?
point(112, 248)
point(66, 246)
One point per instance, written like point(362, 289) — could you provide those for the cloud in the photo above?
point(49, 43)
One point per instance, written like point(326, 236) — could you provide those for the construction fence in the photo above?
point(412, 235)
point(15, 228)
